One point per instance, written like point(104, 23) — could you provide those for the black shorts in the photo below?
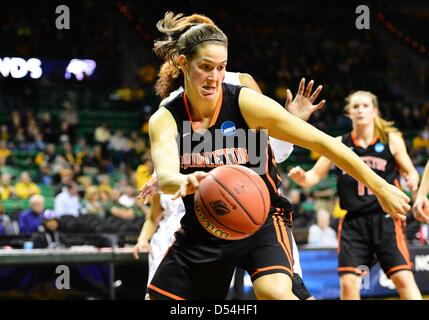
point(375, 235)
point(194, 269)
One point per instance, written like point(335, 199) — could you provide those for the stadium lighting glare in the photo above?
point(80, 68)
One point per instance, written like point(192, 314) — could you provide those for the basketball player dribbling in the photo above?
point(367, 229)
point(198, 265)
point(160, 214)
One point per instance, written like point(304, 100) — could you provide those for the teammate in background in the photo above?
point(421, 201)
point(367, 229)
point(301, 106)
point(200, 52)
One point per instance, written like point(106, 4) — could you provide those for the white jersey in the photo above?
point(281, 150)
point(173, 211)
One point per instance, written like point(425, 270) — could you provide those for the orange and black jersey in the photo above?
point(228, 140)
point(355, 197)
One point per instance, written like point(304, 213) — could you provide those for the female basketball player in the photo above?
point(169, 79)
point(198, 265)
point(421, 202)
point(367, 229)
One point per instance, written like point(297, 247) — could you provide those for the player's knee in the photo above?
point(274, 287)
point(350, 283)
point(275, 294)
point(402, 279)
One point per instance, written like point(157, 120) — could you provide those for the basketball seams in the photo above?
point(214, 218)
point(238, 202)
point(259, 189)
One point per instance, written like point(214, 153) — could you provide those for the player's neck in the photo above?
point(364, 134)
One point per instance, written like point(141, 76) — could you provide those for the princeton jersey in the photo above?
point(354, 196)
point(223, 143)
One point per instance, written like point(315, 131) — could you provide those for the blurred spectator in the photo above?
point(5, 168)
point(115, 209)
point(102, 134)
point(70, 117)
point(31, 219)
point(144, 173)
point(119, 147)
point(67, 202)
point(104, 183)
point(99, 161)
point(321, 234)
point(5, 152)
point(92, 203)
point(47, 156)
point(4, 133)
point(128, 199)
point(6, 224)
point(26, 187)
point(6, 189)
point(47, 129)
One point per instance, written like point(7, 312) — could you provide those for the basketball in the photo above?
point(232, 202)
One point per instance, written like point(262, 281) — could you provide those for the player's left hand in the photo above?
point(302, 106)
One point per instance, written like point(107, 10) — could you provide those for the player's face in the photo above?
point(207, 71)
point(362, 111)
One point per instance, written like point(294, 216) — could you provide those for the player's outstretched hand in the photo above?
point(302, 106)
point(149, 190)
point(297, 174)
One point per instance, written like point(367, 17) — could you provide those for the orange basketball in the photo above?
point(232, 202)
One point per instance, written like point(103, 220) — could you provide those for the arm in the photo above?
point(406, 167)
point(421, 203)
point(424, 186)
point(165, 156)
point(307, 179)
point(149, 227)
point(262, 112)
point(164, 151)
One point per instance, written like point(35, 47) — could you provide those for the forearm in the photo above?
point(311, 179)
point(424, 184)
point(148, 229)
point(170, 183)
point(349, 162)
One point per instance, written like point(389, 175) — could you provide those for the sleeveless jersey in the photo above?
point(354, 196)
point(207, 149)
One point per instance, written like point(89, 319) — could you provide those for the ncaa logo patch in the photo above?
point(379, 147)
point(228, 128)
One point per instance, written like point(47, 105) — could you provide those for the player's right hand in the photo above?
point(141, 246)
point(394, 201)
point(297, 174)
point(150, 189)
point(190, 184)
point(421, 209)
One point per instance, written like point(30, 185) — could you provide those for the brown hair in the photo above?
point(382, 127)
point(182, 35)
